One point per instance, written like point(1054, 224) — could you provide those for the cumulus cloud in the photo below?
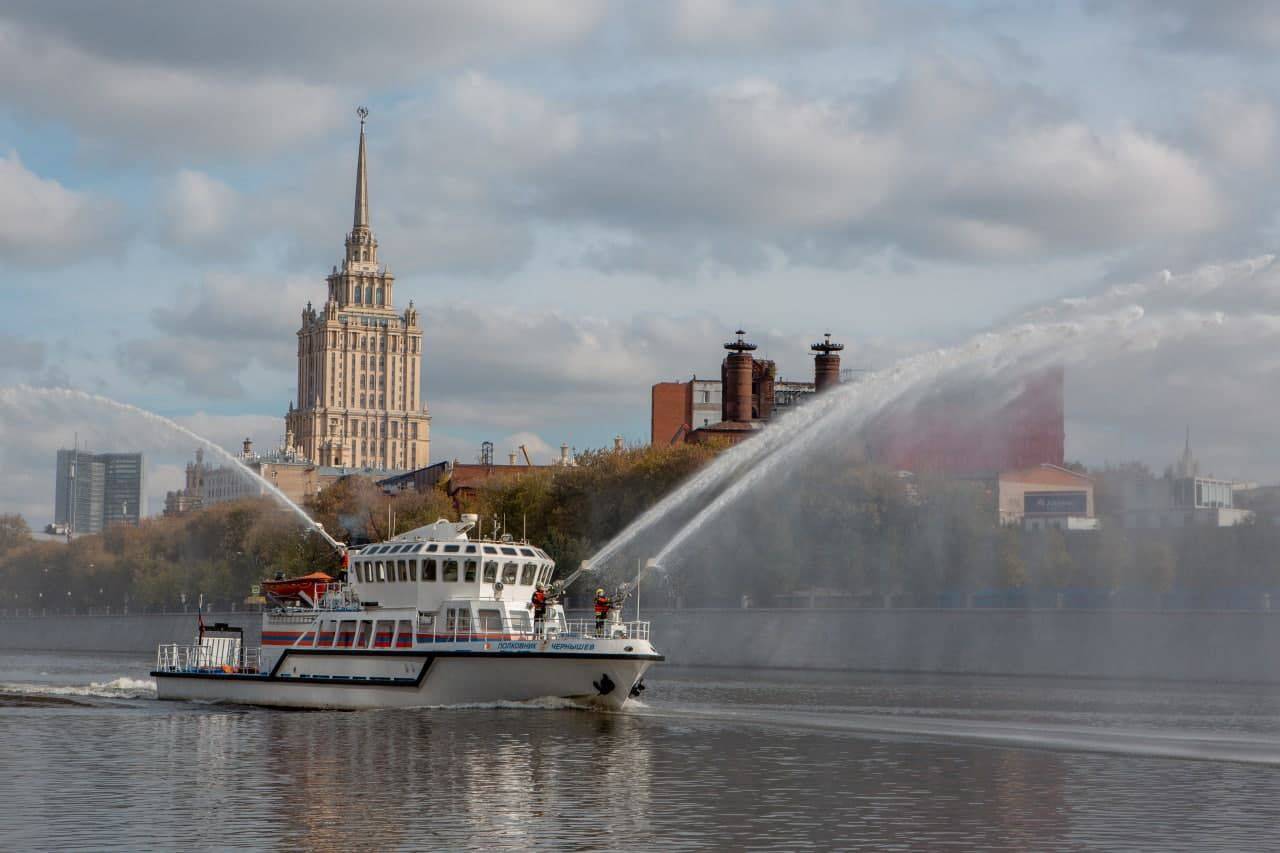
point(217, 331)
point(159, 110)
point(200, 211)
point(43, 222)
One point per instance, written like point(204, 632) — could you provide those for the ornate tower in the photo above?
point(359, 362)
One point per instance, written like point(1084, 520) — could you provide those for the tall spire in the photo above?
point(361, 218)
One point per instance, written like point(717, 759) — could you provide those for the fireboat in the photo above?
point(430, 617)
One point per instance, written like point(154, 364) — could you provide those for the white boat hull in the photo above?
point(415, 679)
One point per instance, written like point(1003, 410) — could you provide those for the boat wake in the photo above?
point(1244, 748)
point(118, 688)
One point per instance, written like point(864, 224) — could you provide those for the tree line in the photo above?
point(834, 528)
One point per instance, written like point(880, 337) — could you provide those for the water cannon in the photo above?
point(558, 587)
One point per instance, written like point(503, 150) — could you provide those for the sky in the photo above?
point(585, 197)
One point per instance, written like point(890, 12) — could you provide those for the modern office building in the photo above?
point(96, 490)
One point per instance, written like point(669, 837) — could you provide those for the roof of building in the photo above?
point(1046, 474)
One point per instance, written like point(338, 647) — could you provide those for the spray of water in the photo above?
point(1077, 329)
point(19, 398)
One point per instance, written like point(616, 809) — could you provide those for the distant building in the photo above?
point(293, 475)
point(462, 479)
point(747, 395)
point(96, 490)
point(957, 432)
point(951, 432)
point(1180, 498)
point(1046, 496)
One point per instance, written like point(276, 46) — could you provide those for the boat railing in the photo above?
point(465, 632)
point(175, 657)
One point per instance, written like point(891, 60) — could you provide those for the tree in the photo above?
point(14, 532)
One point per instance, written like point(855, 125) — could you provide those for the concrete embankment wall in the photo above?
point(134, 633)
point(1207, 645)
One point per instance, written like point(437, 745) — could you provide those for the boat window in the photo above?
point(471, 549)
point(509, 551)
point(458, 620)
point(428, 570)
point(417, 549)
point(509, 573)
point(413, 570)
point(382, 571)
point(527, 573)
point(431, 549)
point(490, 621)
point(402, 569)
point(382, 636)
point(328, 630)
point(427, 623)
point(404, 635)
point(346, 633)
point(547, 573)
point(489, 549)
point(362, 640)
point(452, 549)
point(450, 571)
point(471, 566)
point(519, 621)
point(525, 552)
point(490, 571)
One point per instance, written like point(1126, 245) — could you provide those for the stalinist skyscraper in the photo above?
point(360, 362)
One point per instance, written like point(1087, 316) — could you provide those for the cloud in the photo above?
point(371, 43)
point(757, 27)
point(156, 110)
point(217, 331)
point(43, 222)
point(1237, 28)
point(184, 82)
point(200, 212)
point(22, 354)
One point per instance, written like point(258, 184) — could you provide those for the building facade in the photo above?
point(299, 479)
point(95, 490)
point(746, 396)
point(360, 363)
point(1179, 498)
point(1046, 496)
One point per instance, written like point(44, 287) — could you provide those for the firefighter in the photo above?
point(603, 606)
point(539, 606)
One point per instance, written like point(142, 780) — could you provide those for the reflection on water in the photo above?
point(715, 760)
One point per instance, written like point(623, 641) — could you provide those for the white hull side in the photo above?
point(462, 680)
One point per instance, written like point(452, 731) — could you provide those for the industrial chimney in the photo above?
point(735, 381)
point(826, 364)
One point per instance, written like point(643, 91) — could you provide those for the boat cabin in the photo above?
point(455, 584)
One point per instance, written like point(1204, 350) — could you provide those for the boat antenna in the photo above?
point(524, 527)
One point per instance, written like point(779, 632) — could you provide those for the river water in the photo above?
point(712, 759)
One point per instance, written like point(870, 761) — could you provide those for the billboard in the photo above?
point(1055, 503)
